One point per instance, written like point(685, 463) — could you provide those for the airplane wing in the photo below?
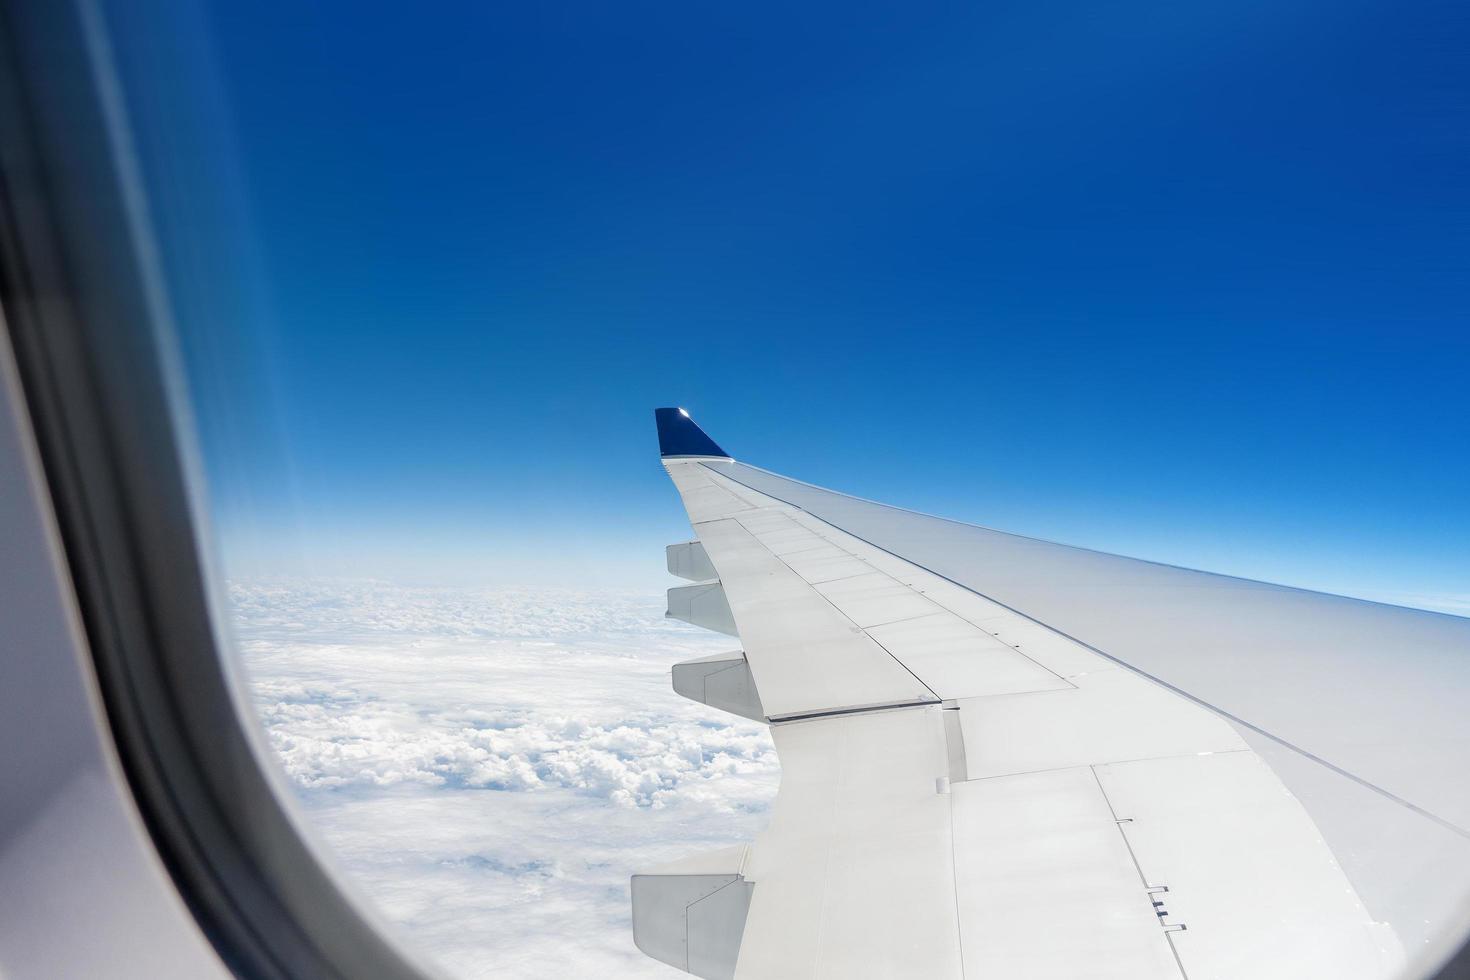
point(1004, 757)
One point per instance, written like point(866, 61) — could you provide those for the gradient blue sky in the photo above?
point(1184, 281)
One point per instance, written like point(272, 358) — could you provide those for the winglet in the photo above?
point(679, 436)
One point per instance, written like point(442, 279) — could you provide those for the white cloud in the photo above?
point(491, 766)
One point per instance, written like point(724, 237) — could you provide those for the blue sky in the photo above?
point(1185, 281)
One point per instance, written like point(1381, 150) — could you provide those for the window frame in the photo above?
point(86, 309)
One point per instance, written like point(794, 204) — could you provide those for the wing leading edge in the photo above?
point(967, 791)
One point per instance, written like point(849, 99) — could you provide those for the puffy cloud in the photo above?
point(490, 766)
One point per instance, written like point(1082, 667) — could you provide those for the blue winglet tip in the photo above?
point(678, 435)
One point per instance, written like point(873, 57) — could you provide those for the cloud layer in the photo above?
point(491, 766)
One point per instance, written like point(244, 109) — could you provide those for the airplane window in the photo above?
point(417, 282)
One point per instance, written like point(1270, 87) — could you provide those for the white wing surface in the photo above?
point(1007, 758)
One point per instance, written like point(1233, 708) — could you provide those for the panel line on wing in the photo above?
point(1143, 879)
point(1144, 758)
point(1004, 619)
point(805, 655)
point(844, 613)
point(885, 591)
point(1149, 886)
point(906, 619)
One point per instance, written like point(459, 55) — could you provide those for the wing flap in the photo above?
point(1246, 869)
point(1047, 887)
point(960, 660)
point(854, 877)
